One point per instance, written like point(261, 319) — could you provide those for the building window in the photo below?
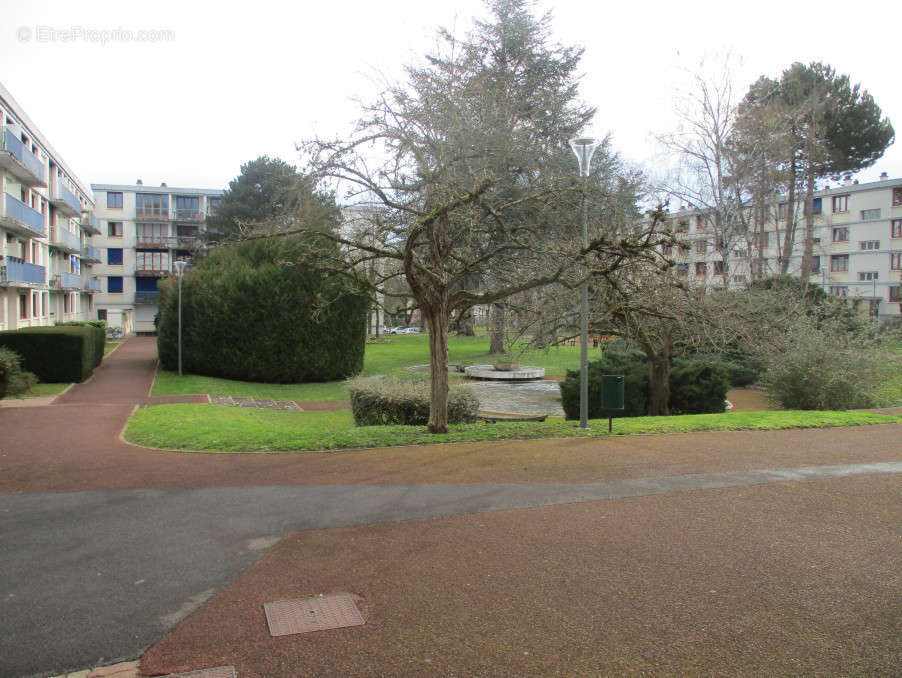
point(114, 229)
point(701, 268)
point(152, 205)
point(739, 279)
point(66, 303)
point(815, 206)
point(840, 203)
point(114, 200)
point(841, 234)
point(867, 276)
point(152, 261)
point(762, 240)
point(101, 314)
point(212, 205)
point(895, 293)
point(895, 261)
point(701, 246)
point(839, 291)
point(114, 284)
point(869, 244)
point(897, 197)
point(839, 263)
point(896, 228)
point(152, 234)
point(781, 210)
point(114, 256)
point(816, 264)
point(23, 306)
point(870, 215)
point(718, 268)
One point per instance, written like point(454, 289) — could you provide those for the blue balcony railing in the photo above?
point(67, 281)
point(89, 222)
point(62, 193)
point(10, 142)
point(147, 297)
point(16, 270)
point(90, 252)
point(92, 284)
point(20, 212)
point(66, 239)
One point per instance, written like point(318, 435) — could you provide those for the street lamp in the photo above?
point(583, 148)
point(180, 269)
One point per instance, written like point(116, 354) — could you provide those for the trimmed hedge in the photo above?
point(55, 354)
point(264, 310)
point(98, 328)
point(696, 386)
point(379, 401)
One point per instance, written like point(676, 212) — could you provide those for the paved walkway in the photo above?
point(676, 560)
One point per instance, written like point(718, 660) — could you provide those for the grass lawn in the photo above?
point(229, 429)
point(45, 390)
point(111, 346)
point(390, 356)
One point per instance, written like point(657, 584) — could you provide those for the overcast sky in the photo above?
point(228, 84)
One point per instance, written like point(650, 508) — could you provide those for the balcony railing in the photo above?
point(165, 242)
point(66, 281)
point(64, 239)
point(19, 217)
point(14, 270)
point(147, 297)
point(188, 214)
point(153, 214)
point(92, 284)
point(20, 161)
point(64, 199)
point(90, 253)
point(89, 223)
point(152, 270)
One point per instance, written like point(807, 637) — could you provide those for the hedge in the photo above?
point(378, 401)
point(55, 354)
point(98, 328)
point(264, 310)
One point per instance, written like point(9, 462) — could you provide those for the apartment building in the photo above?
point(143, 231)
point(46, 228)
point(857, 246)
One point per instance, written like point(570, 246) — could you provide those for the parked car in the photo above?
point(412, 330)
point(400, 329)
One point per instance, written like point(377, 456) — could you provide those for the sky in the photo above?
point(185, 92)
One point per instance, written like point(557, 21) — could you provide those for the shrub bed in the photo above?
point(13, 379)
point(405, 400)
point(55, 354)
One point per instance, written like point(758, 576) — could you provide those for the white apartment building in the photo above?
point(857, 246)
point(46, 225)
point(143, 231)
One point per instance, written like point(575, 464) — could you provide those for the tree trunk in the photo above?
point(438, 368)
point(808, 255)
point(659, 385)
point(466, 324)
point(496, 330)
point(789, 236)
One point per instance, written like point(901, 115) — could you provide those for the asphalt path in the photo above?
point(92, 577)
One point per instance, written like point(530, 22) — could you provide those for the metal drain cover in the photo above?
point(218, 672)
point(304, 615)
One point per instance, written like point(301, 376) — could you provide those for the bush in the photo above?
point(98, 329)
point(54, 354)
point(13, 379)
point(405, 400)
point(698, 386)
point(264, 310)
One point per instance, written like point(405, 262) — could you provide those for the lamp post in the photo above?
point(583, 148)
point(180, 268)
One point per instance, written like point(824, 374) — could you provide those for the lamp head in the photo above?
point(583, 148)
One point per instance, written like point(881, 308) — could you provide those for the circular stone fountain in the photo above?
point(521, 373)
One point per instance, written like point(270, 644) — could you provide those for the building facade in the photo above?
point(856, 246)
point(143, 231)
point(46, 229)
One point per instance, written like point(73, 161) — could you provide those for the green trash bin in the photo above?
point(611, 396)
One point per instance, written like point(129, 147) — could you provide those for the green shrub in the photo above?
point(98, 329)
point(13, 379)
point(405, 400)
point(698, 386)
point(54, 354)
point(265, 310)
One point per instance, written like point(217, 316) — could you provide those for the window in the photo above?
point(682, 270)
point(718, 268)
point(114, 256)
point(895, 261)
point(66, 306)
point(897, 197)
point(152, 261)
point(701, 268)
point(114, 284)
point(683, 226)
point(869, 244)
point(701, 246)
point(152, 234)
point(815, 206)
point(151, 205)
point(114, 200)
point(839, 263)
point(840, 203)
point(739, 279)
point(187, 203)
point(841, 234)
point(867, 276)
point(781, 210)
point(699, 222)
point(895, 293)
point(815, 264)
point(23, 306)
point(213, 205)
point(896, 228)
point(101, 314)
point(870, 215)
point(839, 291)
point(114, 229)
point(762, 240)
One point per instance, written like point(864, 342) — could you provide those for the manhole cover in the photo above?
point(303, 615)
point(218, 672)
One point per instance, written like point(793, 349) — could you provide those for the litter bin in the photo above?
point(611, 396)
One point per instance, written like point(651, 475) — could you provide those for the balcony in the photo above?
point(151, 270)
point(147, 297)
point(89, 223)
point(152, 214)
point(64, 199)
point(19, 161)
point(91, 285)
point(21, 219)
point(159, 242)
point(66, 281)
point(14, 271)
point(65, 240)
point(90, 254)
point(193, 214)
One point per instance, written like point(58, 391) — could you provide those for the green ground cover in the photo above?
point(231, 429)
point(389, 356)
point(45, 390)
point(111, 346)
